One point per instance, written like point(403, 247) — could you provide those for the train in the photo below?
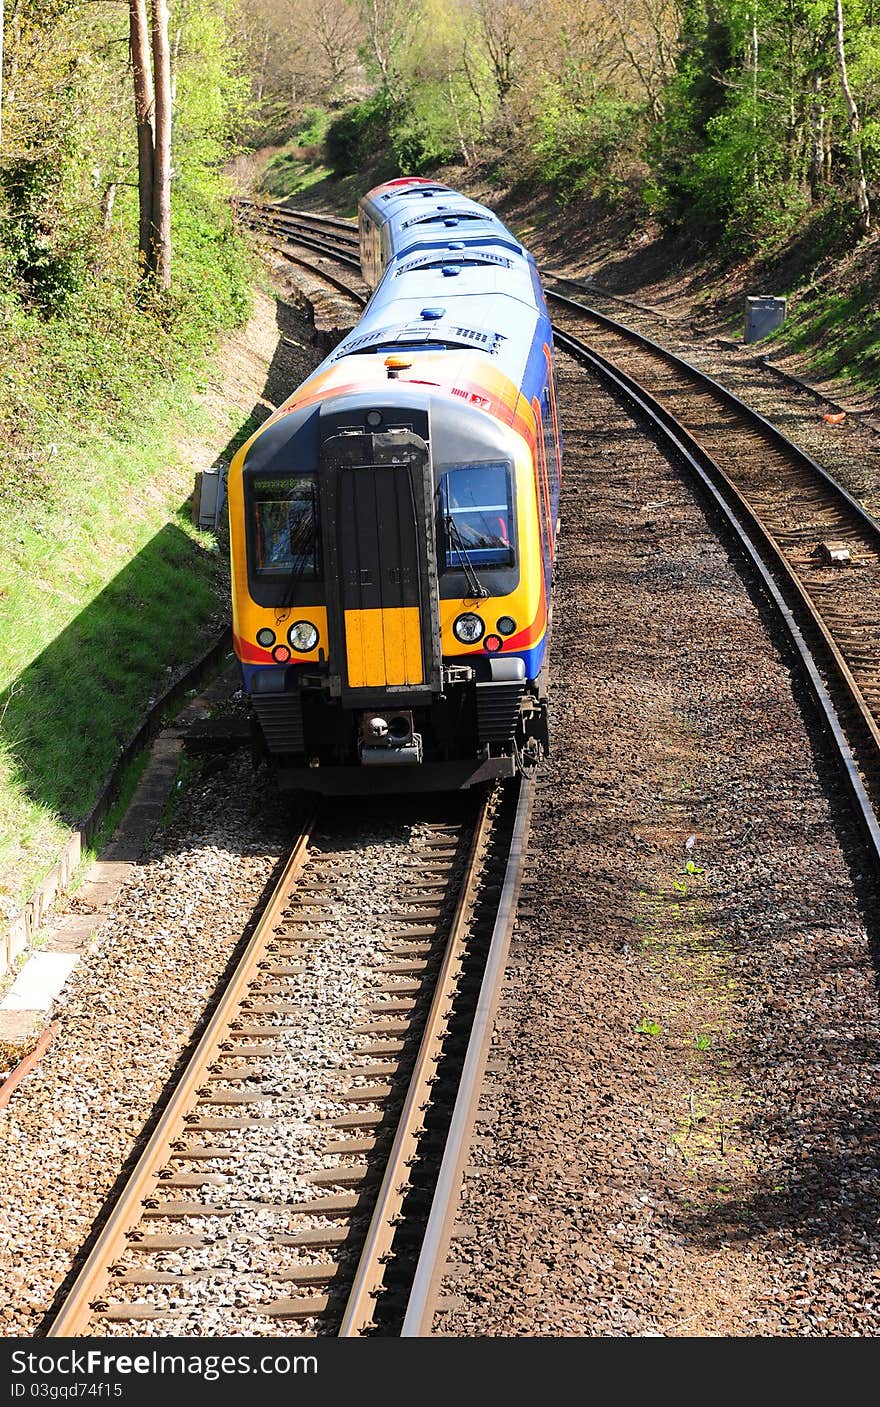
point(393, 524)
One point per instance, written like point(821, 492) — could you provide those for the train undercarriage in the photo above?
point(474, 730)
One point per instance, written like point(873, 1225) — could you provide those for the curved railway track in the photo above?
point(819, 544)
point(328, 1245)
point(351, 1239)
point(811, 547)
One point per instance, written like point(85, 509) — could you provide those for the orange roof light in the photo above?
point(396, 364)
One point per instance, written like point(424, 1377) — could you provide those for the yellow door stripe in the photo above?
point(383, 647)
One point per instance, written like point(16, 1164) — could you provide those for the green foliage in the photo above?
point(756, 86)
point(105, 585)
point(409, 136)
point(359, 135)
point(78, 346)
point(584, 148)
point(99, 358)
point(45, 267)
point(300, 162)
point(841, 331)
point(421, 138)
point(311, 129)
point(212, 99)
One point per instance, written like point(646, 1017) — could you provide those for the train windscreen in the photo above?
point(285, 515)
point(475, 516)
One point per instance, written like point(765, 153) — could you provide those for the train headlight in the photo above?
point(505, 625)
point(266, 637)
point(302, 636)
point(468, 628)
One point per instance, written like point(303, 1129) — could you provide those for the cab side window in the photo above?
point(285, 515)
point(475, 516)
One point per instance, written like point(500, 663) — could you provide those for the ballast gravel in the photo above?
point(131, 1010)
point(126, 1014)
point(679, 1128)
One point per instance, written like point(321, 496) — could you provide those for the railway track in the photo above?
point(820, 545)
point(312, 232)
point(811, 548)
point(260, 1206)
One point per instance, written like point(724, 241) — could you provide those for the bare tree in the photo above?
point(387, 24)
point(817, 138)
point(161, 221)
point(1, 72)
point(861, 186)
point(753, 69)
point(336, 35)
point(645, 32)
point(501, 23)
point(143, 107)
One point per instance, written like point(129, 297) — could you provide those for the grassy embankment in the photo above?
point(106, 586)
point(299, 164)
point(835, 320)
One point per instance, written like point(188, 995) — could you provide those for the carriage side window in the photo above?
point(475, 517)
point(285, 516)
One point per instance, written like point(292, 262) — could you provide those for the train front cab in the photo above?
point(372, 674)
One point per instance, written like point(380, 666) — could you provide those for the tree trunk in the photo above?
point(861, 186)
point(261, 82)
point(175, 58)
point(817, 139)
point(108, 200)
point(753, 59)
point(1, 73)
point(462, 144)
point(161, 231)
point(143, 108)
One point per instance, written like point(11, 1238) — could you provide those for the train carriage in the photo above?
point(392, 525)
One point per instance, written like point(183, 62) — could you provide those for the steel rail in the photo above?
point(357, 1318)
point(313, 268)
point(838, 495)
point(75, 1310)
point(277, 208)
point(730, 398)
point(432, 1257)
point(338, 233)
point(734, 508)
point(330, 251)
point(305, 233)
point(589, 286)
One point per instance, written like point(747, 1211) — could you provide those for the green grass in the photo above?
point(840, 333)
point(287, 174)
point(104, 595)
point(106, 587)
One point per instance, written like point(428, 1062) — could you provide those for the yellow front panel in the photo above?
point(383, 647)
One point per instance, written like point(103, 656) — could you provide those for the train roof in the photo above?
point(490, 307)
point(406, 214)
point(478, 293)
point(455, 277)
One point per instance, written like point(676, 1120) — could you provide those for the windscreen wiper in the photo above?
point(301, 538)
point(455, 537)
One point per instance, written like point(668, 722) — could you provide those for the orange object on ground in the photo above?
point(24, 1067)
point(834, 418)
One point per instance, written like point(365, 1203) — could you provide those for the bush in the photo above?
point(43, 259)
point(585, 149)
point(359, 135)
